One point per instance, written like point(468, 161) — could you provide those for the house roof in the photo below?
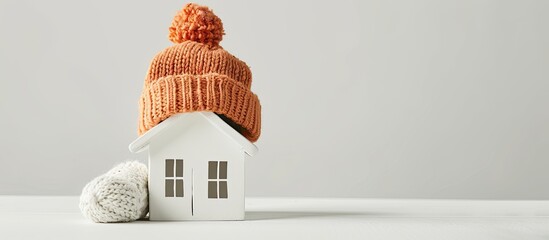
point(140, 143)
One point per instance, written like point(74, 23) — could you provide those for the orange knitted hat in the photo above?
point(196, 74)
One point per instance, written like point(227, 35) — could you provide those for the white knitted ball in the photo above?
point(120, 195)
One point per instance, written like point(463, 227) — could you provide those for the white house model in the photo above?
point(196, 168)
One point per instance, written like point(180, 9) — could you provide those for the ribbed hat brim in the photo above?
point(209, 92)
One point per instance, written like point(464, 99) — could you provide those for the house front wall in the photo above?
point(195, 144)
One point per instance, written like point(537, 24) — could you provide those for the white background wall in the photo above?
point(415, 99)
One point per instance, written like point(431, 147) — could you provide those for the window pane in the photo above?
point(179, 168)
point(169, 188)
point(169, 167)
point(212, 189)
point(223, 189)
point(179, 188)
point(212, 170)
point(223, 170)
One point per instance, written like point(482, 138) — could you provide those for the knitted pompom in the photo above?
point(196, 23)
point(120, 195)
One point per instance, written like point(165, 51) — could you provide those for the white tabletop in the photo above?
point(291, 218)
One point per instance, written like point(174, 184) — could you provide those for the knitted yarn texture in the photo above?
point(197, 74)
point(120, 195)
